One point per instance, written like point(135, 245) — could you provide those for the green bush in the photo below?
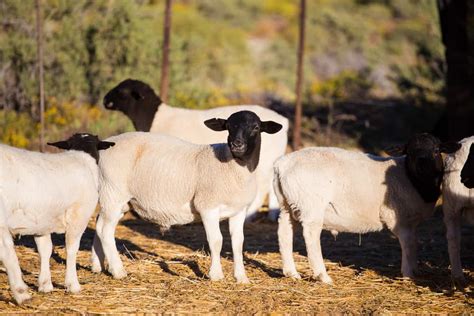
point(61, 121)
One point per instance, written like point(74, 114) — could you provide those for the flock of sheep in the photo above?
point(169, 174)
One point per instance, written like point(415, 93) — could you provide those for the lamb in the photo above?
point(44, 193)
point(169, 181)
point(344, 191)
point(458, 201)
point(148, 113)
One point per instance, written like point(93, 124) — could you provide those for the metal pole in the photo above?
point(299, 77)
point(39, 42)
point(166, 50)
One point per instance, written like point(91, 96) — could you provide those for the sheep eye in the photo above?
point(256, 128)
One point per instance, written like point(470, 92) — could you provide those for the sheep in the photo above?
point(148, 113)
point(345, 191)
point(169, 181)
point(458, 201)
point(44, 193)
point(467, 171)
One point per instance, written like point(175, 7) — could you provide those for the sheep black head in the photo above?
point(424, 163)
point(135, 99)
point(85, 142)
point(244, 129)
point(467, 172)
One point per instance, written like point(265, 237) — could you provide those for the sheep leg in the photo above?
point(285, 240)
point(407, 238)
point(97, 255)
point(285, 233)
point(105, 229)
point(73, 239)
point(210, 221)
point(236, 228)
point(10, 261)
point(273, 205)
point(453, 235)
point(45, 249)
point(312, 234)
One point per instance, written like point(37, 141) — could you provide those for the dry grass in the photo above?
point(168, 274)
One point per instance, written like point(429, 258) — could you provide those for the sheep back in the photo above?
point(357, 192)
point(38, 188)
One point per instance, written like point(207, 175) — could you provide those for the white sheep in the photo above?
point(458, 200)
point(345, 191)
point(149, 114)
point(172, 182)
point(44, 193)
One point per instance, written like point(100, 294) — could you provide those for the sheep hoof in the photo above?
point(73, 288)
point(325, 278)
point(45, 287)
point(292, 274)
point(409, 275)
point(216, 276)
point(96, 267)
point(242, 279)
point(118, 274)
point(21, 295)
point(460, 282)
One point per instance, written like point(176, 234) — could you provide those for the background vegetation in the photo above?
point(361, 55)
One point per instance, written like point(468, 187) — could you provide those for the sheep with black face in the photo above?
point(345, 191)
point(148, 113)
point(172, 182)
point(458, 202)
point(44, 193)
point(467, 171)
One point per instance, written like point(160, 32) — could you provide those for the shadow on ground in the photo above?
point(379, 252)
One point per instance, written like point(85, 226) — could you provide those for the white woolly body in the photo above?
point(458, 201)
point(360, 193)
point(189, 125)
point(40, 194)
point(172, 182)
point(346, 191)
point(455, 194)
point(167, 179)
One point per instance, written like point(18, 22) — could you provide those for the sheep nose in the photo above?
point(238, 143)
point(109, 104)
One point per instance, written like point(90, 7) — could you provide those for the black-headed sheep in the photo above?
point(345, 191)
point(458, 202)
point(169, 181)
point(44, 193)
point(148, 113)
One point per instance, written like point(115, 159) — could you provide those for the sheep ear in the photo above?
point(270, 127)
point(61, 144)
point(104, 145)
point(396, 151)
point(216, 124)
point(449, 147)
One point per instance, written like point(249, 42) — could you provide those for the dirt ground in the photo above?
point(167, 273)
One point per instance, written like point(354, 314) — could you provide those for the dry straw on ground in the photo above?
point(167, 273)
